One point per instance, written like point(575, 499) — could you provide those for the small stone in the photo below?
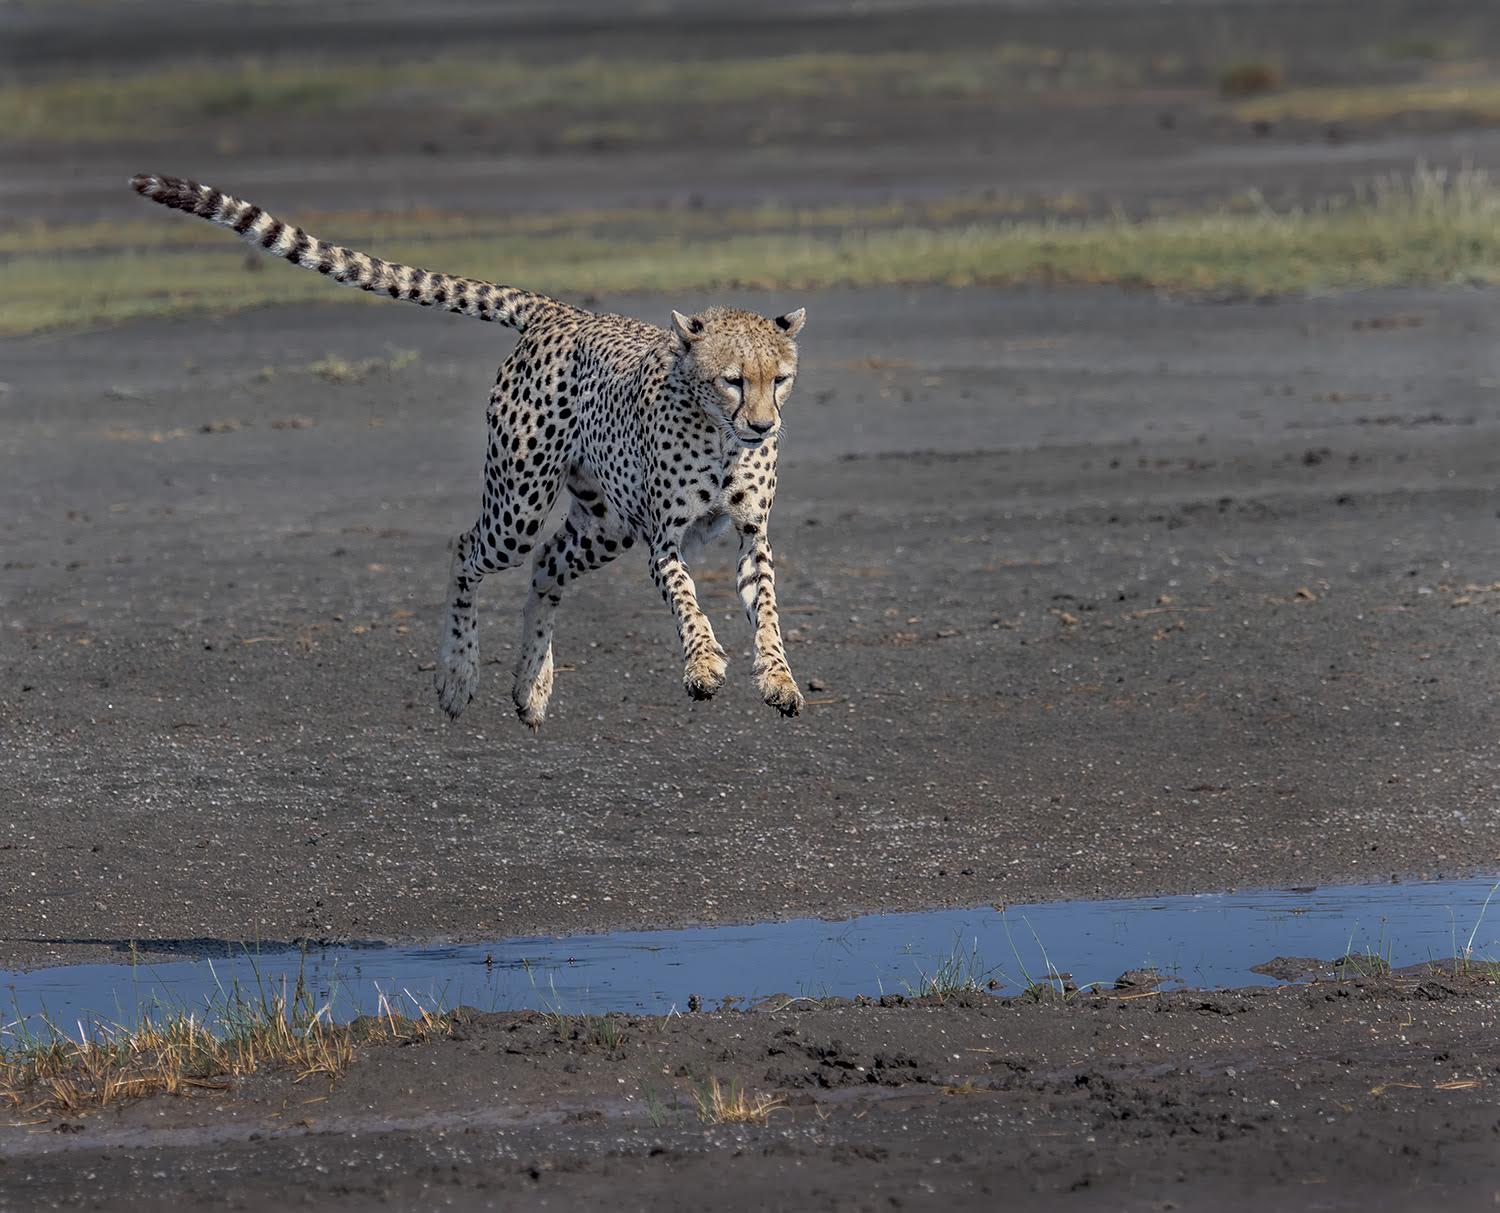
point(816, 684)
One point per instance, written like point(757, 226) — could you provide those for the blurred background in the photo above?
point(585, 146)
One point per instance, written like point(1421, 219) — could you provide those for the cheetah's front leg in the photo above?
point(757, 587)
point(704, 665)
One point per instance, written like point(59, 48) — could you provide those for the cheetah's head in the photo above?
point(744, 366)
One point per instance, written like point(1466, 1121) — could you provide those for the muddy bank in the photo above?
point(1362, 1095)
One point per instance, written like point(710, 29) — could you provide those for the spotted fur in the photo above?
point(662, 437)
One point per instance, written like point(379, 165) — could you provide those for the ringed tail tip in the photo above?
point(175, 192)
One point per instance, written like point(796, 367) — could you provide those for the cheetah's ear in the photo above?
point(688, 328)
point(791, 323)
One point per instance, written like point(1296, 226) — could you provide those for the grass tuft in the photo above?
point(1463, 959)
point(333, 369)
point(732, 1105)
point(606, 1032)
point(658, 1110)
point(961, 970)
point(1052, 987)
point(49, 1072)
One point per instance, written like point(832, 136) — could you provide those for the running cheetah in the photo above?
point(661, 437)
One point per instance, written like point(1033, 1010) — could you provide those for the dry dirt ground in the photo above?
point(1102, 595)
point(1095, 593)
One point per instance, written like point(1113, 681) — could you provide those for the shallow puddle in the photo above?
point(1198, 941)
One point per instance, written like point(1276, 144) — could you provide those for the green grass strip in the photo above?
point(151, 103)
point(1425, 230)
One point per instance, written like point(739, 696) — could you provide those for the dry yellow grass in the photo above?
point(1478, 99)
point(334, 369)
point(188, 1052)
point(732, 1105)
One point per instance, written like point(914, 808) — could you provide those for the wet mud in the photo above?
point(1374, 1094)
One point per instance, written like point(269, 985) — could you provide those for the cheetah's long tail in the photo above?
point(486, 300)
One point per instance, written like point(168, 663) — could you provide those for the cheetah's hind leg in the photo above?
point(589, 538)
point(458, 654)
point(533, 691)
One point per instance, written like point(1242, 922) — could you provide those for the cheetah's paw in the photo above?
point(779, 689)
point(531, 697)
point(705, 674)
point(456, 677)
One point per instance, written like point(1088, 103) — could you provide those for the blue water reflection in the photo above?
point(1204, 941)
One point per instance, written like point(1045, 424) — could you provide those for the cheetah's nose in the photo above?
point(762, 427)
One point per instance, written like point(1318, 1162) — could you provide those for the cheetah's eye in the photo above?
point(734, 381)
point(780, 379)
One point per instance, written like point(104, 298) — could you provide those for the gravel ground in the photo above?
point(1092, 593)
point(1101, 595)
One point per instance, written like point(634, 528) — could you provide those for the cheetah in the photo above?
point(663, 437)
